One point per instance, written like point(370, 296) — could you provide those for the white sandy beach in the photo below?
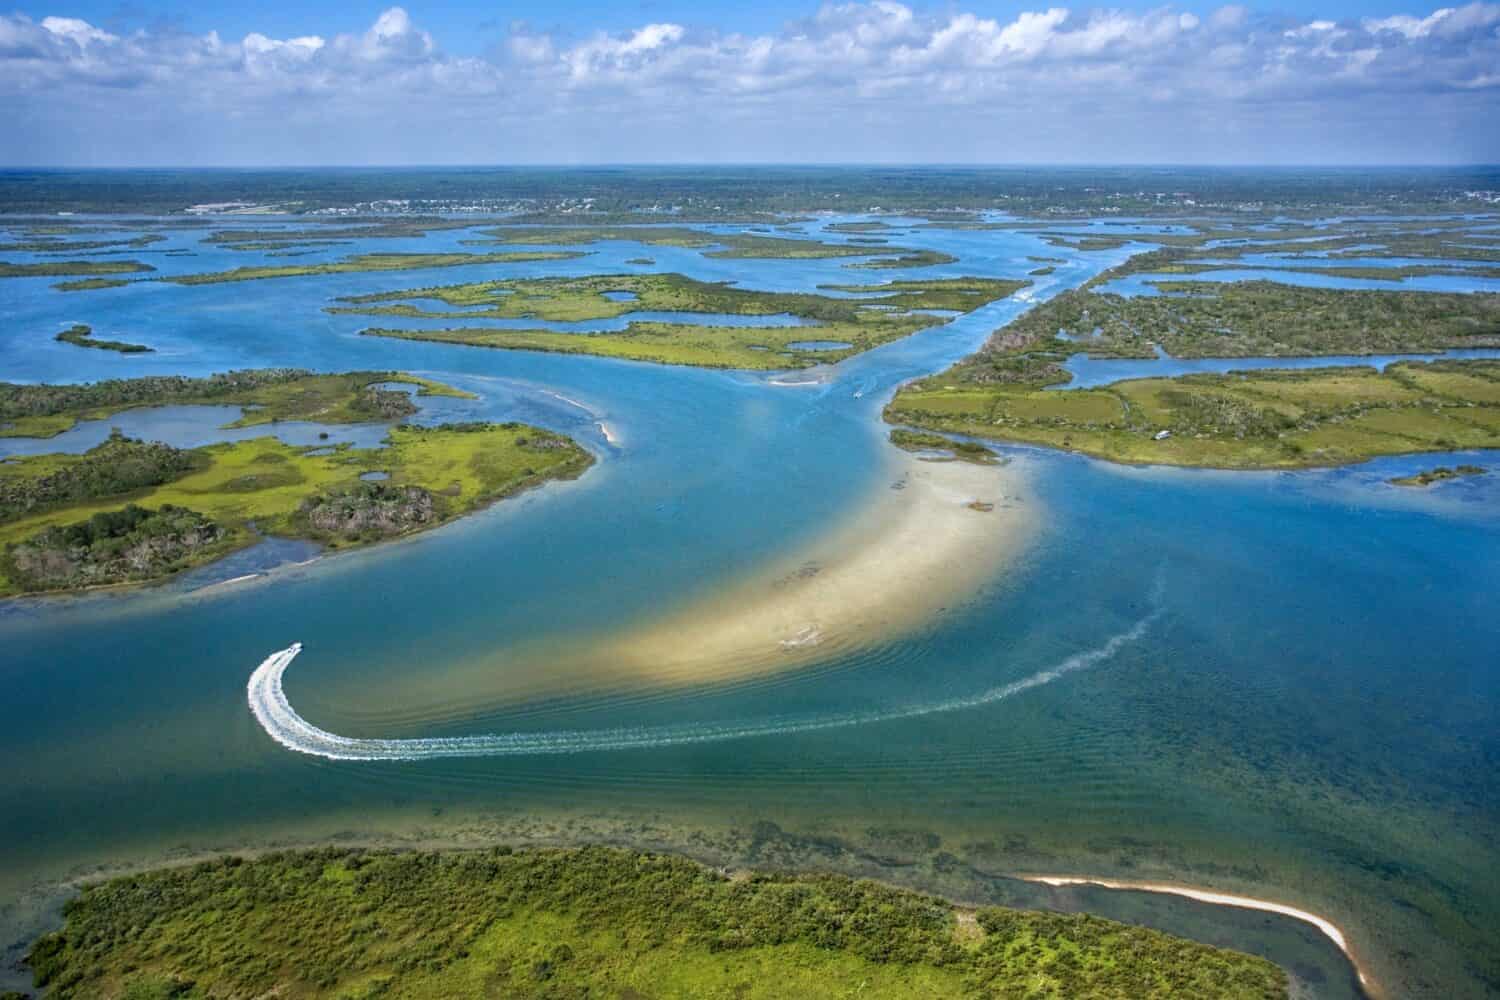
point(1326, 926)
point(906, 555)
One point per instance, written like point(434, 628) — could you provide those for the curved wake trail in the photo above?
point(280, 720)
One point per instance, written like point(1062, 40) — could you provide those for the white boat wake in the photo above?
point(281, 722)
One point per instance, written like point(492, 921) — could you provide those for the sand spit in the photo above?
point(910, 549)
point(1328, 927)
point(232, 581)
point(915, 549)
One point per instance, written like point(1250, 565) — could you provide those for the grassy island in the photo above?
point(876, 314)
point(1260, 419)
point(966, 451)
point(130, 511)
point(89, 284)
point(906, 258)
point(52, 245)
point(1439, 474)
point(81, 335)
point(1244, 420)
point(857, 227)
point(1201, 319)
point(589, 922)
point(270, 394)
point(72, 268)
point(727, 245)
point(325, 231)
point(368, 262)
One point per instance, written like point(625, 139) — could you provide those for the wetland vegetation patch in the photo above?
point(81, 335)
point(1261, 419)
point(1438, 475)
point(1195, 319)
point(1241, 420)
point(368, 262)
point(72, 268)
point(920, 441)
point(861, 321)
point(589, 922)
point(274, 393)
point(735, 246)
point(67, 521)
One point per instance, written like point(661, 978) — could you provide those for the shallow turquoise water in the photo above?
point(1311, 717)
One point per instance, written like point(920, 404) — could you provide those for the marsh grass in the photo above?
point(259, 486)
point(1260, 419)
point(863, 322)
point(589, 922)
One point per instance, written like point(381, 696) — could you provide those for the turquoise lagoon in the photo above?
point(1307, 710)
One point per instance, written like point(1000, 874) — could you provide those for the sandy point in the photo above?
point(1330, 930)
point(927, 540)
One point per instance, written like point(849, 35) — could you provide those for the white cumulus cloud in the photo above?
point(853, 80)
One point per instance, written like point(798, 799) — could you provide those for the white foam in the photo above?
point(281, 722)
point(570, 401)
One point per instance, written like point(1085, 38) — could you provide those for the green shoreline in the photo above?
point(589, 918)
point(129, 513)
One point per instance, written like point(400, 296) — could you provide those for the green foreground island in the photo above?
point(130, 511)
point(590, 922)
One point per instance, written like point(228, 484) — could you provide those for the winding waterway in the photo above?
point(1278, 686)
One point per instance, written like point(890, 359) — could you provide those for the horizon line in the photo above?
point(755, 164)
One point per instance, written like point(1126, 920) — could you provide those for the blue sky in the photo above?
point(463, 26)
point(469, 27)
point(104, 83)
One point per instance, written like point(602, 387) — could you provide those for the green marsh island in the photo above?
point(130, 511)
point(728, 246)
point(590, 922)
point(1014, 388)
point(82, 335)
point(867, 316)
point(96, 269)
point(368, 263)
point(1440, 474)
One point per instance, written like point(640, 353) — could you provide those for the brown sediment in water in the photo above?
point(1329, 929)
